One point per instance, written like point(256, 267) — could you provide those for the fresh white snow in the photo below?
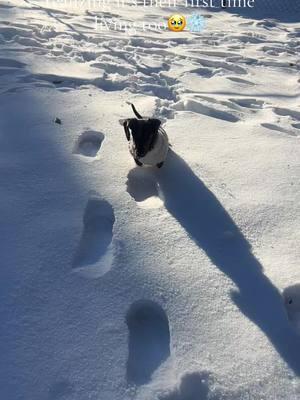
point(119, 282)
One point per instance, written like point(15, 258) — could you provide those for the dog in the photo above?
point(148, 141)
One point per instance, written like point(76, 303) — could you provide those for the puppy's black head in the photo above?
point(144, 133)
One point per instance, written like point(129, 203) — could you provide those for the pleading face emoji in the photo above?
point(177, 23)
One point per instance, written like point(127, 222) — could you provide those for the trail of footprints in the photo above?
point(95, 251)
point(148, 60)
point(147, 322)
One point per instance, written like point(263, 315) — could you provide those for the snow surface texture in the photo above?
point(123, 283)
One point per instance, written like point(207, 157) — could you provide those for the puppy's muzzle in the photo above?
point(140, 154)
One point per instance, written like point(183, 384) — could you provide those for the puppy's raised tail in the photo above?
point(138, 115)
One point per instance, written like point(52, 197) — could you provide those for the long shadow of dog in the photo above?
point(205, 220)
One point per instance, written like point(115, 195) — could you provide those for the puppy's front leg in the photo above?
point(138, 162)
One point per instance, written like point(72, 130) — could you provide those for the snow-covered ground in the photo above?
point(120, 282)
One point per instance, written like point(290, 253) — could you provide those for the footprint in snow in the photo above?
point(193, 386)
point(291, 297)
point(95, 251)
point(149, 340)
point(88, 143)
point(143, 188)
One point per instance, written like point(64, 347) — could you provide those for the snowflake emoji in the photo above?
point(196, 23)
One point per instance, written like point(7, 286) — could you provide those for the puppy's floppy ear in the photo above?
point(124, 122)
point(133, 124)
point(154, 123)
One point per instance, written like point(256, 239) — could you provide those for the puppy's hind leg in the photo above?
point(159, 165)
point(138, 162)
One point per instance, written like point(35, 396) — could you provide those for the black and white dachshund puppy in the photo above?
point(148, 142)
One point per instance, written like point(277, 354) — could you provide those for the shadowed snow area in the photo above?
point(205, 220)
